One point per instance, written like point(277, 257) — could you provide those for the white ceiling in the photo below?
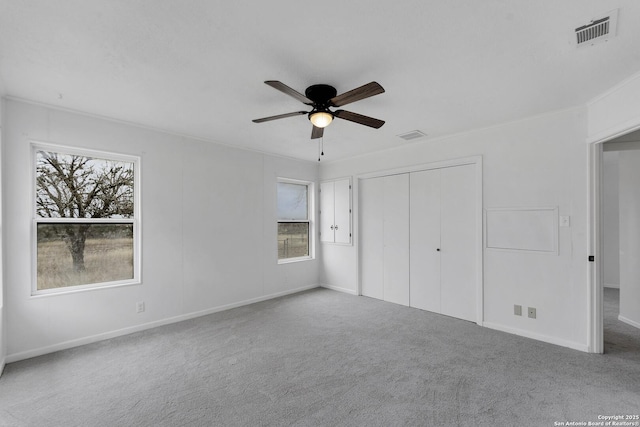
point(196, 67)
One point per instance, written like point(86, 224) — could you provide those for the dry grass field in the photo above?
point(293, 240)
point(106, 260)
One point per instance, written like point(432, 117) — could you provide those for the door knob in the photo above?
point(438, 249)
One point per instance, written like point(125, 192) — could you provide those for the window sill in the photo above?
point(292, 260)
point(83, 288)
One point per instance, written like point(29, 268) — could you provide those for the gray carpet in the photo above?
point(324, 358)
point(620, 339)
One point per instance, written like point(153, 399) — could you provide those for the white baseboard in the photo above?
point(339, 289)
point(612, 285)
point(629, 321)
point(538, 337)
point(129, 330)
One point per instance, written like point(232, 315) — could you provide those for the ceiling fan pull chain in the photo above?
point(322, 139)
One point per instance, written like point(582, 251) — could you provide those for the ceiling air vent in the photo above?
point(414, 134)
point(598, 30)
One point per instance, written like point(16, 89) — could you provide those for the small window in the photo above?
point(85, 219)
point(294, 224)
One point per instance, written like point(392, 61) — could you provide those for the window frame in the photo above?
point(135, 220)
point(310, 220)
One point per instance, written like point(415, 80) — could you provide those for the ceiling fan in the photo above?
point(321, 97)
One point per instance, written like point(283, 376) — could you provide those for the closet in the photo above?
point(419, 239)
point(335, 211)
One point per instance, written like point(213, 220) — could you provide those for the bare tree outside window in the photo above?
point(84, 220)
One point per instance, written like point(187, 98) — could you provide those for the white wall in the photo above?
point(539, 162)
point(629, 168)
point(610, 220)
point(208, 232)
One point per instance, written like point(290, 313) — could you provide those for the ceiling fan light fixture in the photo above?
point(321, 119)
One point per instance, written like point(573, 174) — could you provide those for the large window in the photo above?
point(294, 223)
point(86, 210)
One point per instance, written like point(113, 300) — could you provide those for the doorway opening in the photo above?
point(615, 195)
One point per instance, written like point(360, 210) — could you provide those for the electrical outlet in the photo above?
point(140, 307)
point(532, 312)
point(517, 310)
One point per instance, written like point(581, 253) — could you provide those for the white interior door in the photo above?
point(327, 209)
point(342, 211)
point(425, 240)
point(371, 237)
point(396, 238)
point(458, 242)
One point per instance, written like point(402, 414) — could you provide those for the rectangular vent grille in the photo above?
point(598, 30)
point(414, 134)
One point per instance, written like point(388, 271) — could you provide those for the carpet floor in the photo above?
point(324, 358)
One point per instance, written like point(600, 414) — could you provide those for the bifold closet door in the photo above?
point(444, 241)
point(384, 238)
point(459, 246)
point(371, 237)
point(418, 240)
point(396, 238)
point(425, 240)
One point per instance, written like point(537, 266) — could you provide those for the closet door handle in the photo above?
point(331, 227)
point(336, 227)
point(438, 249)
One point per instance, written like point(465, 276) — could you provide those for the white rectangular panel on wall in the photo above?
point(371, 237)
point(522, 229)
point(396, 238)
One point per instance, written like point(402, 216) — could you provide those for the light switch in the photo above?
point(565, 221)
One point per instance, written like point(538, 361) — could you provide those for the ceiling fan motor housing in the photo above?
point(320, 95)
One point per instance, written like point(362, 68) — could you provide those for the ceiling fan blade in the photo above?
point(362, 92)
point(358, 118)
point(317, 132)
point(291, 92)
point(279, 116)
